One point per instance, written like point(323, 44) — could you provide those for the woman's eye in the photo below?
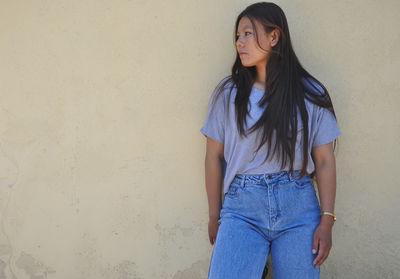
point(245, 33)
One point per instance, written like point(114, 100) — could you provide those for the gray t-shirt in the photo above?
point(239, 153)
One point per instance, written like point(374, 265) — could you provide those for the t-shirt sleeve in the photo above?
point(326, 128)
point(214, 125)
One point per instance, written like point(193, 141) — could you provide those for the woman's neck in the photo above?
point(259, 85)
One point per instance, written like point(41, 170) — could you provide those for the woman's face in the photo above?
point(246, 43)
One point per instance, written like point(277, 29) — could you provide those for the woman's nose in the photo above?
point(239, 43)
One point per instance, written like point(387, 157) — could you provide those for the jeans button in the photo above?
point(269, 176)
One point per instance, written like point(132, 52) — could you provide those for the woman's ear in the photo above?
point(274, 37)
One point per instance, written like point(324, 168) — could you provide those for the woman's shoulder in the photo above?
point(312, 85)
point(315, 87)
point(226, 83)
point(223, 88)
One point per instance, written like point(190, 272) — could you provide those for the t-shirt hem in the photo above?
point(206, 134)
point(327, 140)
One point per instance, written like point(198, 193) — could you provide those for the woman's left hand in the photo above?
point(322, 243)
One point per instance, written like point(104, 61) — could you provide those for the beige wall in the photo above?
point(102, 160)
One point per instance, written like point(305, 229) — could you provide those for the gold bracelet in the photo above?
point(328, 213)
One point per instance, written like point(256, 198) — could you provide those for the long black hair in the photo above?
point(285, 89)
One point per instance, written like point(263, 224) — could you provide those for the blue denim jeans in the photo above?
point(263, 213)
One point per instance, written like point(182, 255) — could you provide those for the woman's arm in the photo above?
point(325, 168)
point(213, 176)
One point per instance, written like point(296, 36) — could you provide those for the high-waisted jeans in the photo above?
point(263, 213)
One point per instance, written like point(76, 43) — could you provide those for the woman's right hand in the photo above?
point(213, 229)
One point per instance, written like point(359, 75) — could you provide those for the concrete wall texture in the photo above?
point(101, 157)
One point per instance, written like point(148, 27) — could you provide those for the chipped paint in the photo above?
point(124, 270)
point(198, 270)
point(33, 267)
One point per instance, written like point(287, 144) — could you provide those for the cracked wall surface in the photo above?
point(101, 158)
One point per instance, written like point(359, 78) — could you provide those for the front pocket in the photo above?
point(232, 192)
point(303, 182)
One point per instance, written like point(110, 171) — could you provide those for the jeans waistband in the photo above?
point(283, 176)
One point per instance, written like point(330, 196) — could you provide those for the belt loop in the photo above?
point(289, 176)
point(243, 180)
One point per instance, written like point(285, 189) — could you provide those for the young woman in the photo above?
point(270, 128)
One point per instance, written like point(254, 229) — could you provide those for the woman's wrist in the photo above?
point(327, 221)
